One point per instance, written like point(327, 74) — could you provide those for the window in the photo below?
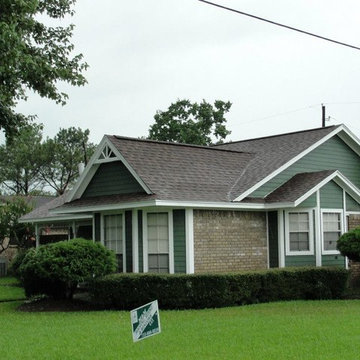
point(299, 233)
point(113, 236)
point(332, 229)
point(158, 242)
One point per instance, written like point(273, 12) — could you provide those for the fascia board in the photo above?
point(177, 204)
point(290, 162)
point(92, 166)
point(339, 179)
point(129, 167)
point(87, 174)
point(96, 208)
point(56, 219)
point(315, 188)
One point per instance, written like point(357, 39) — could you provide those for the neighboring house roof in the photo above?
point(43, 212)
point(222, 174)
point(34, 201)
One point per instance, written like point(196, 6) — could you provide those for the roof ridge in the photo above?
point(205, 147)
point(278, 135)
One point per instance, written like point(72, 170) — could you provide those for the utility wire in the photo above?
point(278, 24)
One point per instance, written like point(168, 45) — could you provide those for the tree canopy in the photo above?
point(61, 156)
point(11, 231)
point(191, 123)
point(34, 56)
point(19, 161)
point(29, 165)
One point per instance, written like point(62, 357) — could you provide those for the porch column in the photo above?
point(281, 238)
point(318, 231)
point(189, 231)
point(37, 237)
point(135, 241)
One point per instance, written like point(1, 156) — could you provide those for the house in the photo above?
point(269, 202)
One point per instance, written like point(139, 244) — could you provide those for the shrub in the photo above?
point(128, 291)
point(16, 262)
point(349, 244)
point(56, 269)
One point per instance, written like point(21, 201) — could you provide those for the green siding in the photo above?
point(273, 239)
point(333, 260)
point(300, 260)
point(97, 226)
point(351, 204)
point(128, 241)
point(333, 154)
point(310, 202)
point(110, 179)
point(179, 241)
point(140, 232)
point(331, 196)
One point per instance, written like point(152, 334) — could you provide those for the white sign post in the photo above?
point(145, 321)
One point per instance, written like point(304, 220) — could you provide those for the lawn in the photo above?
point(10, 290)
point(286, 330)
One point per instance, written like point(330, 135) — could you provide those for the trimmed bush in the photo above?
point(349, 244)
point(128, 291)
point(56, 269)
point(16, 262)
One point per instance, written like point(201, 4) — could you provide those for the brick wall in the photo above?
point(229, 240)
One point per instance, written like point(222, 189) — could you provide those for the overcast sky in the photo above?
point(145, 54)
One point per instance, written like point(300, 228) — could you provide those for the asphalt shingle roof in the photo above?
point(297, 186)
point(197, 173)
point(272, 152)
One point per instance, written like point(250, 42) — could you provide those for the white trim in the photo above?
point(56, 219)
point(135, 241)
point(288, 252)
point(318, 230)
point(170, 234)
point(92, 166)
point(281, 239)
point(267, 240)
point(171, 243)
point(337, 211)
point(37, 237)
point(189, 230)
point(295, 159)
point(93, 228)
point(145, 242)
point(352, 212)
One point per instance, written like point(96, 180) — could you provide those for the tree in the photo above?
point(61, 156)
point(191, 123)
point(34, 56)
point(19, 161)
point(349, 244)
point(11, 231)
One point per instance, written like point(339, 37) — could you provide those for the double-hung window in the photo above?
point(332, 230)
point(113, 236)
point(158, 242)
point(299, 233)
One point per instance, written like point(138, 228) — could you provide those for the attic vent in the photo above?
point(107, 153)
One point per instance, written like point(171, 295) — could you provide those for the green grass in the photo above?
point(9, 289)
point(287, 330)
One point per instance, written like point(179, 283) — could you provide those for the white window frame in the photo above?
point(288, 252)
point(342, 227)
point(102, 234)
point(171, 239)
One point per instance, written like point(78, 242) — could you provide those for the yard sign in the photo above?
point(145, 321)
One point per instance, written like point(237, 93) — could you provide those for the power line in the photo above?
point(282, 25)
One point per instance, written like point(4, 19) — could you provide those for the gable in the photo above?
point(334, 154)
point(112, 178)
